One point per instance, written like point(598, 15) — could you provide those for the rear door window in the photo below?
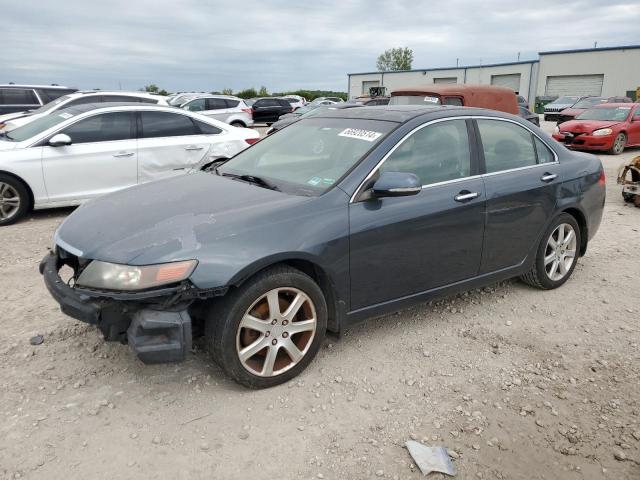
point(166, 124)
point(19, 96)
point(506, 145)
point(456, 101)
point(105, 127)
point(206, 129)
point(232, 103)
point(216, 104)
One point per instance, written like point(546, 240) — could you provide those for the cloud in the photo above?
point(198, 45)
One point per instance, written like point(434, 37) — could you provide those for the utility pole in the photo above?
point(518, 56)
point(595, 45)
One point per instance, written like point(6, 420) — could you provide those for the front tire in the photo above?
point(557, 254)
point(269, 329)
point(14, 200)
point(618, 144)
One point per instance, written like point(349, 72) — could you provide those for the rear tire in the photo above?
point(253, 337)
point(14, 200)
point(557, 254)
point(238, 124)
point(618, 144)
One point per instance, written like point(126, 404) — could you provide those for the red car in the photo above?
point(585, 104)
point(610, 127)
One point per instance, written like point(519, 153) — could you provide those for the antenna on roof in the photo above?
point(595, 44)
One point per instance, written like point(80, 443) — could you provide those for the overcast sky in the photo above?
point(283, 44)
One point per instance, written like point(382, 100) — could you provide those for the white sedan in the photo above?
point(79, 153)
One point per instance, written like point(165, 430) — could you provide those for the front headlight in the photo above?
point(602, 131)
point(114, 276)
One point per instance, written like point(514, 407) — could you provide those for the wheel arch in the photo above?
point(581, 219)
point(23, 182)
point(309, 267)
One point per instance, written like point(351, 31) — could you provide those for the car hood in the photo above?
point(588, 126)
point(171, 220)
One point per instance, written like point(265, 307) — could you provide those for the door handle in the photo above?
point(547, 177)
point(465, 196)
point(193, 147)
point(123, 154)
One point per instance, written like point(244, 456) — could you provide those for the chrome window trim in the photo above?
point(465, 117)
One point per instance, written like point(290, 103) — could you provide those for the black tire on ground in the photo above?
point(618, 144)
point(238, 124)
point(9, 187)
point(224, 317)
point(537, 276)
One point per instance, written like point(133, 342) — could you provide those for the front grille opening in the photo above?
point(67, 274)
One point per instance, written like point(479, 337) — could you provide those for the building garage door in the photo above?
point(574, 85)
point(446, 80)
point(368, 84)
point(511, 81)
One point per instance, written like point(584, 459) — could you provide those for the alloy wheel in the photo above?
point(9, 201)
point(618, 144)
point(560, 252)
point(276, 331)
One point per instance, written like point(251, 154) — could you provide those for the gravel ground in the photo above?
point(517, 383)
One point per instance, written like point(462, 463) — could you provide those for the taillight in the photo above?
point(248, 110)
point(602, 179)
point(251, 141)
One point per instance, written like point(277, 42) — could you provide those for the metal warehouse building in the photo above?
point(610, 71)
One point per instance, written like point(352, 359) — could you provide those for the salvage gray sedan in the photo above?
point(347, 215)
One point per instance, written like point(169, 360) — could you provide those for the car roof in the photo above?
point(449, 89)
point(389, 113)
point(118, 92)
point(85, 107)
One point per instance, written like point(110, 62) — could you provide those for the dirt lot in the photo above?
point(517, 383)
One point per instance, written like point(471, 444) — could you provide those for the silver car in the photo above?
point(552, 110)
point(228, 109)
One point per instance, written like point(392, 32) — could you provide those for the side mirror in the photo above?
point(60, 140)
point(396, 184)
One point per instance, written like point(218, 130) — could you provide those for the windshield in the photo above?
point(618, 114)
point(39, 125)
point(589, 102)
point(51, 105)
point(414, 100)
point(308, 157)
point(566, 100)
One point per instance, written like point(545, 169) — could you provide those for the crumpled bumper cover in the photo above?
point(155, 324)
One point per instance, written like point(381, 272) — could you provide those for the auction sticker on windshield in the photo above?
point(367, 135)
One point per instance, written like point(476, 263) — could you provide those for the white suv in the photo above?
point(226, 108)
point(12, 120)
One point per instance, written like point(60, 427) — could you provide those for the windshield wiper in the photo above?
point(252, 179)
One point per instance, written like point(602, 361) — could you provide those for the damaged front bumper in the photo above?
point(155, 323)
